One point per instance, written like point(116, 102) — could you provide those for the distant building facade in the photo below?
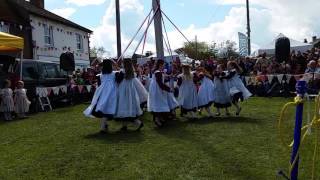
point(46, 34)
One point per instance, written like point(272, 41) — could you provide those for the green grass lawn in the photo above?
point(64, 144)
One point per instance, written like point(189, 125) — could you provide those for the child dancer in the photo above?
point(205, 93)
point(188, 97)
point(161, 101)
point(104, 102)
point(7, 104)
point(21, 101)
point(237, 89)
point(221, 91)
point(130, 91)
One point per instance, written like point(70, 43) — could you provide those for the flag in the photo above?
point(243, 44)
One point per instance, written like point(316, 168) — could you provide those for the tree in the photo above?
point(98, 52)
point(197, 50)
point(228, 49)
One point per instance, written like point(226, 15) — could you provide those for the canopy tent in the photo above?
point(11, 43)
point(269, 49)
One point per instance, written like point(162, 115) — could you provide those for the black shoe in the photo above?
point(124, 128)
point(103, 132)
point(140, 127)
point(158, 123)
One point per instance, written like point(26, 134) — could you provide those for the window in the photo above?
point(4, 28)
point(52, 71)
point(48, 35)
point(79, 42)
point(29, 71)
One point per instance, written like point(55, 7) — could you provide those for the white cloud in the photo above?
point(85, 2)
point(294, 18)
point(268, 18)
point(64, 12)
point(132, 16)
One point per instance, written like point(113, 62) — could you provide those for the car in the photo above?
point(35, 73)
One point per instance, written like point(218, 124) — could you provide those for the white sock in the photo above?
point(209, 111)
point(193, 115)
point(137, 122)
point(103, 124)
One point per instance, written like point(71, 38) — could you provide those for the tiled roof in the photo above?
point(46, 14)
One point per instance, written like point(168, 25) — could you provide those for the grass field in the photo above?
point(64, 144)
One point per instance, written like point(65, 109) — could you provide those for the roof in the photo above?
point(10, 42)
point(46, 14)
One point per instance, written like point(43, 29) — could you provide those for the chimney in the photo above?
point(38, 3)
point(314, 38)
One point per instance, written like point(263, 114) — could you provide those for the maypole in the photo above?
point(158, 28)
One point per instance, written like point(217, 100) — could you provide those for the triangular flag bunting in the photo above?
point(280, 77)
point(247, 80)
point(56, 90)
point(49, 90)
point(89, 87)
point(289, 76)
point(80, 87)
point(270, 78)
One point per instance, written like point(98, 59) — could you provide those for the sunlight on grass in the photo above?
point(64, 144)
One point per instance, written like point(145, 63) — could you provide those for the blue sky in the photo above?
point(210, 20)
point(198, 12)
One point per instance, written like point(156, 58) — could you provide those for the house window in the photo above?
point(48, 35)
point(4, 28)
point(79, 42)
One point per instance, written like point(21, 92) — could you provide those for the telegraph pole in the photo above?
point(248, 28)
point(158, 28)
point(118, 24)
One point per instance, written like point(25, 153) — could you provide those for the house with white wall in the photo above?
point(46, 34)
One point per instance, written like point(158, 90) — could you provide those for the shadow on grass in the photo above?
point(117, 137)
point(231, 120)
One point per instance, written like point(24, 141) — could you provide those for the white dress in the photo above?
point(7, 104)
point(21, 101)
point(160, 100)
point(205, 93)
point(105, 97)
point(128, 101)
point(142, 92)
point(235, 85)
point(188, 97)
point(222, 98)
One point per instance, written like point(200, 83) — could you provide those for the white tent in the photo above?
point(295, 45)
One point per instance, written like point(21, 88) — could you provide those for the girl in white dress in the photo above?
point(222, 99)
point(104, 102)
point(7, 104)
point(131, 94)
point(205, 93)
point(237, 89)
point(188, 96)
point(21, 102)
point(161, 101)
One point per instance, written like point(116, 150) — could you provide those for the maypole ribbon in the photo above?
point(295, 145)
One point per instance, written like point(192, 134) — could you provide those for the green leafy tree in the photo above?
point(197, 50)
point(97, 52)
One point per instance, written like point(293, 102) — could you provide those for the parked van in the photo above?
point(35, 73)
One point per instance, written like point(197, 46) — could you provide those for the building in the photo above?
point(46, 34)
point(316, 41)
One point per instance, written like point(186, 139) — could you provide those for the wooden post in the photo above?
point(158, 28)
point(118, 24)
